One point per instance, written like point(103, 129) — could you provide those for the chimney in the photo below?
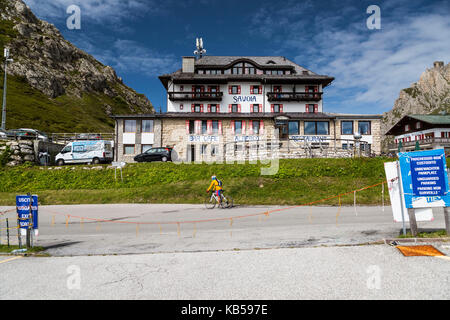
point(439, 64)
point(188, 64)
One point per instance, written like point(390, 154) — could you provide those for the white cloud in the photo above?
point(97, 11)
point(370, 66)
point(130, 57)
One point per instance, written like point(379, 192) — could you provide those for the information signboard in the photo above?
point(23, 211)
point(424, 179)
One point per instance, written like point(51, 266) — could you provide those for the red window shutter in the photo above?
point(281, 108)
point(198, 124)
point(316, 108)
point(187, 126)
point(209, 89)
point(239, 108)
point(251, 90)
point(193, 108)
point(218, 108)
point(271, 108)
point(229, 90)
point(281, 89)
point(243, 126)
point(201, 108)
point(250, 127)
point(202, 89)
point(209, 108)
point(220, 126)
point(230, 108)
point(442, 135)
point(232, 127)
point(306, 108)
point(316, 89)
point(239, 89)
point(260, 108)
point(306, 88)
point(261, 126)
point(193, 88)
point(260, 89)
point(209, 126)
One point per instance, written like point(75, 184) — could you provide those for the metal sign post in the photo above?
point(400, 190)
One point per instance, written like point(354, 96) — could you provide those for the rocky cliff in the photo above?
point(430, 95)
point(46, 62)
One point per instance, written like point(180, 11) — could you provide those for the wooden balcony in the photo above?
point(294, 96)
point(197, 96)
point(427, 143)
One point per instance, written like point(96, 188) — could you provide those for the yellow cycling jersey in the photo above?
point(214, 186)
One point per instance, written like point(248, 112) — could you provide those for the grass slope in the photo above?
point(298, 181)
point(29, 108)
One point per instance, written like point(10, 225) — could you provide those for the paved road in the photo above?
point(357, 272)
point(297, 227)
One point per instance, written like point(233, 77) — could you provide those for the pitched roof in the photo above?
point(301, 74)
point(433, 119)
point(263, 61)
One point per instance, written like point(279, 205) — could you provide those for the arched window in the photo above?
point(244, 68)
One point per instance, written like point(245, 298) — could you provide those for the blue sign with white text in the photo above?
point(23, 210)
point(424, 179)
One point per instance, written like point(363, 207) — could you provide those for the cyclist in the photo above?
point(216, 187)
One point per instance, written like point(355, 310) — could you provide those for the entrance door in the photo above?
point(283, 130)
point(192, 153)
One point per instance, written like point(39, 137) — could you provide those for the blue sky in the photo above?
point(143, 39)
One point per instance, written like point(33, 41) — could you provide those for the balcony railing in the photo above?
point(198, 96)
point(423, 142)
point(294, 96)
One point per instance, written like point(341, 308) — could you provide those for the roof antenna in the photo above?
point(200, 50)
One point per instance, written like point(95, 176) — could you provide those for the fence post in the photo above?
point(19, 238)
point(447, 219)
point(412, 221)
point(7, 230)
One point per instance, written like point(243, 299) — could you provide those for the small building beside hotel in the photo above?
point(231, 108)
point(426, 131)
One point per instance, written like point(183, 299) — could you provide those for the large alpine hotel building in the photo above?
point(222, 106)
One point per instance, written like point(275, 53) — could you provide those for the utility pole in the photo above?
point(6, 56)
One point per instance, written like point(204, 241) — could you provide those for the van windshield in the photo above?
point(66, 149)
point(107, 146)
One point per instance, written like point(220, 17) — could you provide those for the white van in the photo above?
point(93, 152)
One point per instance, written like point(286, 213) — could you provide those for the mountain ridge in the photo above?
point(51, 73)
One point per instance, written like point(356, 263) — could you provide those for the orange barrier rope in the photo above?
point(266, 213)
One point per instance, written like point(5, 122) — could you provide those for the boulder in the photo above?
point(29, 157)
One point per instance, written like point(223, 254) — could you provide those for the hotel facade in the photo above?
point(246, 108)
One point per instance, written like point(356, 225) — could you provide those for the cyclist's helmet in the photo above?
point(213, 177)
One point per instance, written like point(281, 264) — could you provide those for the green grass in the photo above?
point(298, 181)
point(432, 234)
point(6, 249)
point(29, 108)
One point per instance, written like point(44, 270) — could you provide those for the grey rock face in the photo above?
point(55, 67)
point(431, 94)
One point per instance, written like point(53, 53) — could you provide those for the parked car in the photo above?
point(25, 133)
point(92, 152)
point(155, 154)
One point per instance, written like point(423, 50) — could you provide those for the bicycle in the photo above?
point(225, 203)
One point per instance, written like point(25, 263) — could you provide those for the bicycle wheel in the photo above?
point(227, 202)
point(210, 203)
